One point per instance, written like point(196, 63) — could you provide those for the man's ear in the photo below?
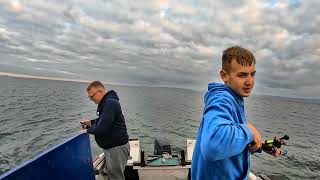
point(224, 76)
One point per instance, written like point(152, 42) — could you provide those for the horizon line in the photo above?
point(25, 76)
point(41, 77)
point(15, 75)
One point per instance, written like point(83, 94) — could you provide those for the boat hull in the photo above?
point(71, 159)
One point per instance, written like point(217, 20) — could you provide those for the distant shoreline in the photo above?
point(24, 76)
point(41, 77)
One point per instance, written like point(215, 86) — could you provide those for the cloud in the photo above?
point(163, 43)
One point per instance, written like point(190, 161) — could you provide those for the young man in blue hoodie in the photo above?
point(109, 129)
point(225, 138)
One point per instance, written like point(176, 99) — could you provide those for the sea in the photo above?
point(36, 115)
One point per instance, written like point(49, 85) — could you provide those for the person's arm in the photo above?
point(105, 120)
point(257, 141)
point(221, 138)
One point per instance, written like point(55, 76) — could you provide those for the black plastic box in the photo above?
point(161, 146)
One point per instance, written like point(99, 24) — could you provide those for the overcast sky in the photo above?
point(163, 42)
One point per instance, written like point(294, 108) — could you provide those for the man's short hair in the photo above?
point(95, 84)
point(241, 55)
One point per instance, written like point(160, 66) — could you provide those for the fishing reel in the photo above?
point(272, 146)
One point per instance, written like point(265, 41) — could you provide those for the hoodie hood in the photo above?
point(109, 94)
point(112, 94)
point(217, 88)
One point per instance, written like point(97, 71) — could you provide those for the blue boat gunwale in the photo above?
point(38, 156)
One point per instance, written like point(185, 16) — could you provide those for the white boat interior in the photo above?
point(143, 172)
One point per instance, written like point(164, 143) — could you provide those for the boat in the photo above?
point(72, 159)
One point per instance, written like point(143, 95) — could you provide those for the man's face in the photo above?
point(240, 78)
point(93, 95)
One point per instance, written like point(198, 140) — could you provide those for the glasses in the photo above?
point(90, 97)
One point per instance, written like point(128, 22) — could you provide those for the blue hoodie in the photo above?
point(220, 151)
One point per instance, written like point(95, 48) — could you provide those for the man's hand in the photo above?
point(85, 122)
point(257, 141)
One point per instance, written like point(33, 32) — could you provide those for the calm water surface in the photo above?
point(38, 114)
